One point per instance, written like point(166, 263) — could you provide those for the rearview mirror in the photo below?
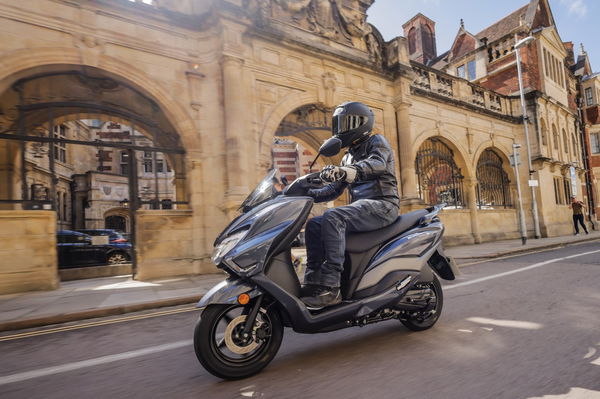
point(331, 147)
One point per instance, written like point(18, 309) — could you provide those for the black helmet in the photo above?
point(352, 121)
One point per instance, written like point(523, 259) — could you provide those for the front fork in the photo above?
point(251, 318)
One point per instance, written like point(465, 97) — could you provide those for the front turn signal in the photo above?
point(243, 299)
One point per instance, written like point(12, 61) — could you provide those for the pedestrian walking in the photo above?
point(578, 207)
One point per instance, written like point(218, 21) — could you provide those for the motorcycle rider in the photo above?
point(367, 170)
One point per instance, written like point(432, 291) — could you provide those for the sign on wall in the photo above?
point(573, 181)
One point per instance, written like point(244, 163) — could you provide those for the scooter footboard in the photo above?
point(227, 292)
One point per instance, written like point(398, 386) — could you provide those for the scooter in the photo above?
point(391, 273)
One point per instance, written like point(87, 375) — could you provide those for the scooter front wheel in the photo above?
point(226, 351)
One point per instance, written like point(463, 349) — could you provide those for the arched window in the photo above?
point(115, 222)
point(565, 141)
point(428, 39)
point(544, 131)
point(440, 179)
point(492, 182)
point(555, 137)
point(412, 40)
point(575, 148)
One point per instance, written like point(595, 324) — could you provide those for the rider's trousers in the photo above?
point(326, 236)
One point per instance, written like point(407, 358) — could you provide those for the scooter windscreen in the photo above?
point(263, 192)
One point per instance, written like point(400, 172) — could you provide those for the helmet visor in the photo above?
point(341, 124)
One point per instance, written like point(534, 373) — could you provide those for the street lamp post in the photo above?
point(515, 162)
point(536, 221)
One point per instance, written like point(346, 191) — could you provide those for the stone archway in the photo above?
point(56, 93)
point(117, 219)
point(309, 126)
point(440, 177)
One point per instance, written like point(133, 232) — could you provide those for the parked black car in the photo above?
point(114, 236)
point(75, 249)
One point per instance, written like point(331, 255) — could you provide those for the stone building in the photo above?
point(212, 82)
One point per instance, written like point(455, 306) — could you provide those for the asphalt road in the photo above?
point(504, 333)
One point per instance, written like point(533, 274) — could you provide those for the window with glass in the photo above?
point(147, 162)
point(60, 149)
point(595, 143)
point(558, 191)
point(460, 71)
point(124, 163)
point(471, 69)
point(589, 96)
point(567, 188)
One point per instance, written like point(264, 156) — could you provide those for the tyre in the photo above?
point(116, 258)
point(221, 347)
point(419, 321)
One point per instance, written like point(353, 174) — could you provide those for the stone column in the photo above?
point(408, 173)
point(474, 213)
point(235, 127)
point(8, 169)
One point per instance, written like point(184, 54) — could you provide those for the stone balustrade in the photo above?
point(432, 82)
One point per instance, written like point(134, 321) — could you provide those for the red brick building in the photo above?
point(552, 83)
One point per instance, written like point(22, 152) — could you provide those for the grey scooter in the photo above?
point(389, 273)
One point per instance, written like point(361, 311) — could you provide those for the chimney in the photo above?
point(420, 34)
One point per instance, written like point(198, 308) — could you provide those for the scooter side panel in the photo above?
point(409, 252)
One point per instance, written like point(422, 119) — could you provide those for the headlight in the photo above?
point(226, 245)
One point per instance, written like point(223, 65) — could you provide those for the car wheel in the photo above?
point(117, 258)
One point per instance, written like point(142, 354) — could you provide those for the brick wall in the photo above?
point(507, 81)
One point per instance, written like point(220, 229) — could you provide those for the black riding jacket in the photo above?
point(375, 178)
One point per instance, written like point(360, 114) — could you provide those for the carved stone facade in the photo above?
point(224, 74)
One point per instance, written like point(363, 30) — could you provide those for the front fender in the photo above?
point(227, 291)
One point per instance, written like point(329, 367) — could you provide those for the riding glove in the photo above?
point(332, 173)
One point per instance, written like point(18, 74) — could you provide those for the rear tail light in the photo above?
point(119, 240)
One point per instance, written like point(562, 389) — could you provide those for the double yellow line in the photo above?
point(96, 323)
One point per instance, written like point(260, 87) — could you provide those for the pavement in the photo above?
point(108, 296)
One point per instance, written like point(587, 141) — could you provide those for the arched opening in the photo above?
point(428, 40)
point(565, 141)
point(79, 141)
point(555, 138)
point(440, 180)
point(296, 143)
point(115, 222)
point(412, 39)
point(544, 131)
point(493, 185)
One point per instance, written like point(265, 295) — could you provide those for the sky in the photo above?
point(575, 19)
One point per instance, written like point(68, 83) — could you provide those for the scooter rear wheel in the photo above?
point(424, 320)
point(222, 348)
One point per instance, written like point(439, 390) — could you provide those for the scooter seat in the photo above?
point(361, 242)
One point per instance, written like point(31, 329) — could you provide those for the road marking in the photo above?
point(523, 269)
point(96, 323)
point(28, 375)
point(532, 252)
